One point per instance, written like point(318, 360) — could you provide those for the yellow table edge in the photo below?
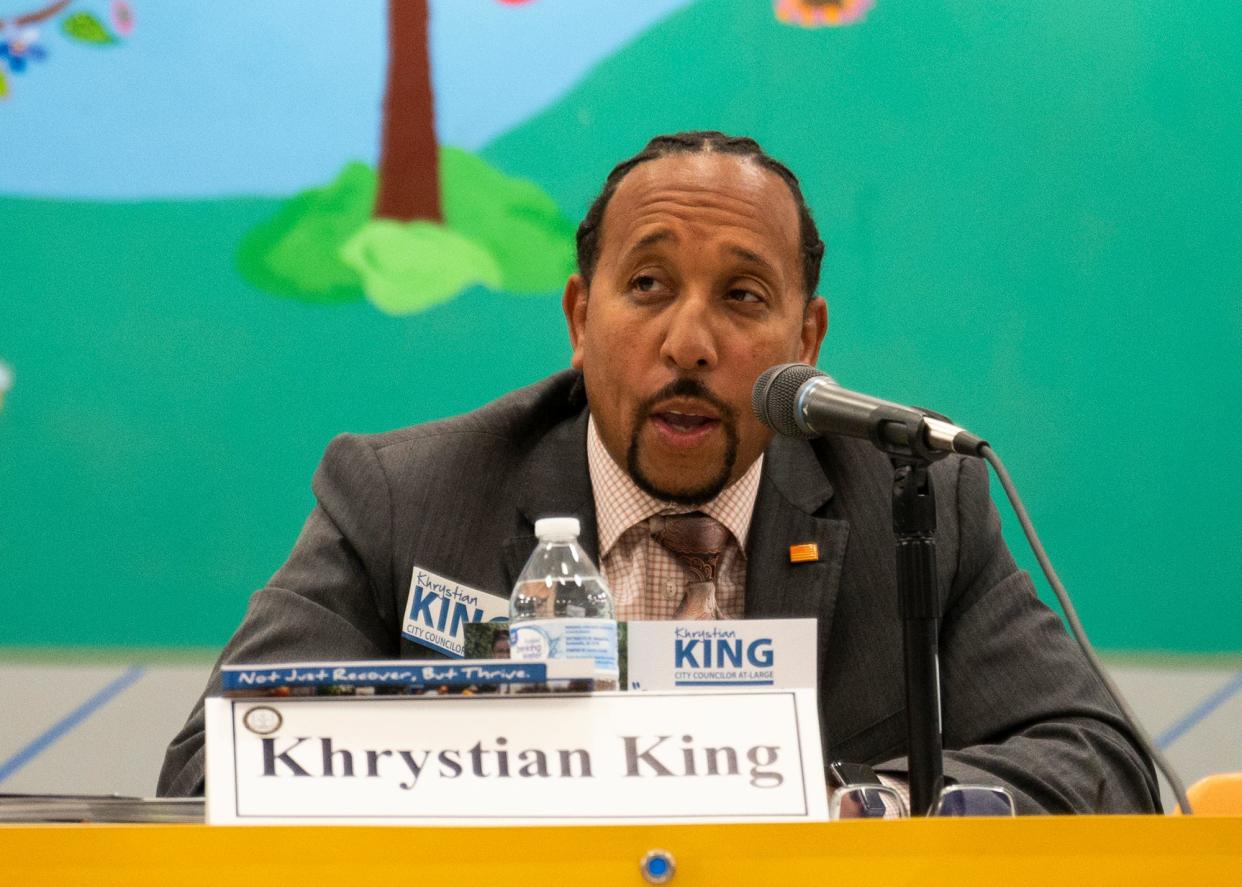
point(1085, 850)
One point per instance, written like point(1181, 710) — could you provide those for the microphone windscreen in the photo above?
point(774, 397)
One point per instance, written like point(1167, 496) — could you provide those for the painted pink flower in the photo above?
point(822, 13)
point(122, 18)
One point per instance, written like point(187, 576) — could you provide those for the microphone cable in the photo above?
point(1080, 635)
point(776, 403)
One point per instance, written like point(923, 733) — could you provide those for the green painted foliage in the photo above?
point(501, 232)
point(514, 219)
point(296, 253)
point(86, 28)
point(410, 267)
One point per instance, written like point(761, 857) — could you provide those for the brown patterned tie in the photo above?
point(697, 541)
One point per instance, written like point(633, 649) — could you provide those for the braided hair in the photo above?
point(704, 141)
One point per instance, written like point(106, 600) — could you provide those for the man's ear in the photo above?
point(574, 304)
point(814, 326)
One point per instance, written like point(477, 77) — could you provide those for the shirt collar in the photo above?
point(620, 504)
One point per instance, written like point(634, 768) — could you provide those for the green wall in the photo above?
point(1032, 213)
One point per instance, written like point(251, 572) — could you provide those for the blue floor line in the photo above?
point(36, 746)
point(1192, 718)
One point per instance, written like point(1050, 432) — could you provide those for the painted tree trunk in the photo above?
point(409, 168)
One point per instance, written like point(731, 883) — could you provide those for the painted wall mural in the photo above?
point(822, 13)
point(22, 42)
point(232, 230)
point(421, 227)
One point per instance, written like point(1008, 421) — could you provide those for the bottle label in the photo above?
point(576, 638)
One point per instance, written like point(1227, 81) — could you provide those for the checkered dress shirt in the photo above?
point(646, 579)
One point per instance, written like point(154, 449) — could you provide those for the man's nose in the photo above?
point(689, 341)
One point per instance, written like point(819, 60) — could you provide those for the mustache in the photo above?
point(686, 386)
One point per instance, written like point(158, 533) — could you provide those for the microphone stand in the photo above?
point(914, 524)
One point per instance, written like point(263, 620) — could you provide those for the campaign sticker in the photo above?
point(671, 654)
point(438, 609)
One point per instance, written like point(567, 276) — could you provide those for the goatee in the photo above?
point(705, 492)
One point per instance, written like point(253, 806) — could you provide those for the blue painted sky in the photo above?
point(272, 96)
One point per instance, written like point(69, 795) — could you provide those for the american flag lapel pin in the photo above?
point(804, 553)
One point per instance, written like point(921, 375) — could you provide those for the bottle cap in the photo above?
point(557, 528)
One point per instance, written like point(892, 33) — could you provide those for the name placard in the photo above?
point(662, 757)
point(724, 653)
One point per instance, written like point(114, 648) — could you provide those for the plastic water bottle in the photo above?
point(561, 607)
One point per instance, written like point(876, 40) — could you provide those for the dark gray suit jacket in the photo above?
point(459, 497)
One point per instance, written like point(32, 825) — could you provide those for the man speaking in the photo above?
point(698, 265)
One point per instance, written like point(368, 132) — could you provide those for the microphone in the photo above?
point(798, 400)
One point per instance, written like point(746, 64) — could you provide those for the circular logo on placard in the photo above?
point(262, 719)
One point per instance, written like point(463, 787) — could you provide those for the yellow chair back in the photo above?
point(1216, 795)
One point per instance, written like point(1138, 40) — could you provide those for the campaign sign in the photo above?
point(437, 610)
point(668, 757)
point(728, 653)
point(342, 678)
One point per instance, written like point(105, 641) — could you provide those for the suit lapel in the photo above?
point(793, 489)
point(555, 483)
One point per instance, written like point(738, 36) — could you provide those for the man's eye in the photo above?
point(644, 283)
point(743, 295)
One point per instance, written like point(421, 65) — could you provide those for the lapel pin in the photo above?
point(804, 553)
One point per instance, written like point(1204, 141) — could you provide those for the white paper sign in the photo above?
point(437, 609)
point(744, 756)
point(728, 653)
